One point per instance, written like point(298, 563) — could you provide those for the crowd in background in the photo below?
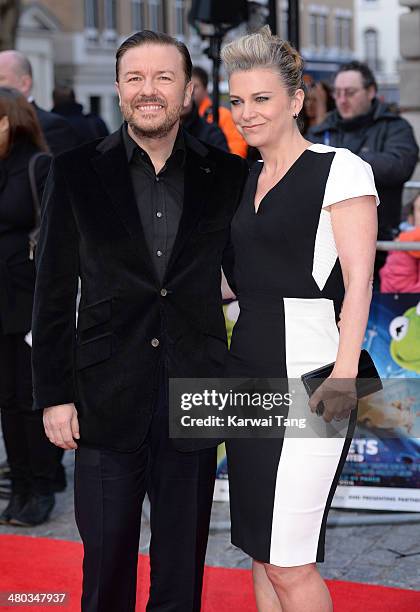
point(346, 113)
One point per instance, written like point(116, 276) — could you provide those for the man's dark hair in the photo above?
point(63, 94)
point(147, 37)
point(367, 74)
point(199, 73)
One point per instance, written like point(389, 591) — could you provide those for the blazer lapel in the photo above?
point(198, 186)
point(112, 168)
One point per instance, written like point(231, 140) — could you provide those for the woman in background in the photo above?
point(304, 240)
point(31, 457)
point(317, 104)
point(401, 272)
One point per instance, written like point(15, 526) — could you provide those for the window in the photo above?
point(110, 14)
point(155, 15)
point(318, 30)
point(137, 15)
point(284, 24)
point(95, 104)
point(180, 17)
point(343, 33)
point(322, 30)
point(371, 48)
point(91, 14)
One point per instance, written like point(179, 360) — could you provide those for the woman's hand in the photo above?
point(335, 398)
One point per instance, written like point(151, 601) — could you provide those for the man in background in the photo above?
point(87, 126)
point(236, 142)
point(16, 72)
point(365, 126)
point(199, 128)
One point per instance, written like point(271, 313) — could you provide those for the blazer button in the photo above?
point(163, 292)
point(155, 342)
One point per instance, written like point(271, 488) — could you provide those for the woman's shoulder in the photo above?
point(344, 161)
point(349, 176)
point(340, 153)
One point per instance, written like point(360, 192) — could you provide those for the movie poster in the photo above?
point(382, 471)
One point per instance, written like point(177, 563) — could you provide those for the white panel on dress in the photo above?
point(349, 177)
point(325, 251)
point(307, 466)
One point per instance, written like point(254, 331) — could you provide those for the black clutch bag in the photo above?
point(367, 381)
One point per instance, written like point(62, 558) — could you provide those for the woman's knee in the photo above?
point(288, 577)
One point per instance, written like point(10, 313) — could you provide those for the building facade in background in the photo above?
point(377, 42)
point(326, 34)
point(74, 41)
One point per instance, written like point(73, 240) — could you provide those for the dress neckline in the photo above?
point(259, 165)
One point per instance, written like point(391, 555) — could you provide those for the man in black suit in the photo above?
point(144, 219)
point(16, 72)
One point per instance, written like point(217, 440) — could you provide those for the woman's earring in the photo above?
point(295, 116)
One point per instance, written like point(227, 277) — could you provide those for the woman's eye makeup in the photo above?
point(258, 99)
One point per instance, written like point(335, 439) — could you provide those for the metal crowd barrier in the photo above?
point(412, 185)
point(391, 245)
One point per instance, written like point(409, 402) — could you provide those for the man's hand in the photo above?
point(61, 425)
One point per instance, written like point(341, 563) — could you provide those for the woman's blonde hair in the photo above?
point(264, 50)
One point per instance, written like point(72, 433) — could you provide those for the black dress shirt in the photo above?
point(159, 197)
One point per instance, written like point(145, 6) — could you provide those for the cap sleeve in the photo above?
point(349, 177)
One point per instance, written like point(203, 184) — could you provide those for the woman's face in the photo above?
point(4, 133)
point(311, 103)
point(261, 106)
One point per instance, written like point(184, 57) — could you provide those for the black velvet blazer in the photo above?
point(91, 228)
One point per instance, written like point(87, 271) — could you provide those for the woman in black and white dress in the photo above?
point(304, 238)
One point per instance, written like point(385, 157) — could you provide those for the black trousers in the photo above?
point(32, 458)
point(109, 492)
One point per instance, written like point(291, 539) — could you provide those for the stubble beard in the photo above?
point(159, 130)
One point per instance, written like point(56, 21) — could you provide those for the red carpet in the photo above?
point(42, 565)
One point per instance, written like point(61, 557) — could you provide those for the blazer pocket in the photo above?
point(94, 314)
point(213, 225)
point(94, 351)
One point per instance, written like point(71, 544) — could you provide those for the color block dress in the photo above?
point(290, 291)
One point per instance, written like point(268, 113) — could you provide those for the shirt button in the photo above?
point(157, 179)
point(159, 214)
point(163, 292)
point(159, 253)
point(155, 343)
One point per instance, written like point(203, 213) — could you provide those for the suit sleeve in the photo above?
point(60, 135)
point(53, 324)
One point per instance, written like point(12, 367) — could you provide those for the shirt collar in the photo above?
point(178, 151)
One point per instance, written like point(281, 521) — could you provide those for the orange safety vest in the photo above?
point(236, 142)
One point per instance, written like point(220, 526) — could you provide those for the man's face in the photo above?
point(11, 76)
point(152, 89)
point(200, 92)
point(351, 97)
